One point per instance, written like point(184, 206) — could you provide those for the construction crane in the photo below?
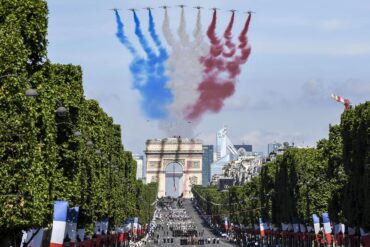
point(347, 104)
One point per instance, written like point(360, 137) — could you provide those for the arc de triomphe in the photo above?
point(174, 163)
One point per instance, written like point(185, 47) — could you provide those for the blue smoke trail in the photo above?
point(121, 35)
point(155, 91)
point(148, 74)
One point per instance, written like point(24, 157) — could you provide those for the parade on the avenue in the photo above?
point(132, 123)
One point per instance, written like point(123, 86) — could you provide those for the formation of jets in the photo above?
point(183, 6)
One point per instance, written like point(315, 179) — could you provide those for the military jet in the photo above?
point(250, 12)
point(164, 7)
point(114, 9)
point(214, 9)
point(133, 10)
point(147, 8)
point(181, 6)
point(233, 10)
point(198, 7)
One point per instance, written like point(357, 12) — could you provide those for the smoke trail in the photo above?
point(121, 35)
point(184, 38)
point(148, 75)
point(233, 67)
point(228, 37)
point(215, 88)
point(185, 71)
point(167, 30)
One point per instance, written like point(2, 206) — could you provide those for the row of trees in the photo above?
point(334, 177)
point(77, 156)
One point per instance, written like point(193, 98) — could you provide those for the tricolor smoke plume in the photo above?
point(216, 86)
point(148, 74)
point(185, 69)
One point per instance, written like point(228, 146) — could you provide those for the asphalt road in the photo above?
point(198, 223)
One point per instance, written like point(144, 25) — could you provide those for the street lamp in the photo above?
point(61, 111)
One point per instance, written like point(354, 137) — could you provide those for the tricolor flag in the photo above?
point(339, 228)
point(316, 223)
point(284, 227)
point(136, 222)
point(104, 225)
point(351, 231)
point(226, 224)
point(309, 228)
point(363, 233)
point(295, 225)
point(36, 240)
point(326, 223)
point(262, 228)
point(127, 225)
point(59, 223)
point(327, 227)
point(81, 234)
point(302, 228)
point(97, 228)
point(71, 228)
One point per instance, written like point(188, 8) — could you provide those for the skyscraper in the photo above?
point(207, 161)
point(139, 166)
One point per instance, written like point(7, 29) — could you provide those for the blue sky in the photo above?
point(302, 51)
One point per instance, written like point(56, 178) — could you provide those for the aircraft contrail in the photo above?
point(185, 69)
point(148, 73)
point(229, 38)
point(216, 86)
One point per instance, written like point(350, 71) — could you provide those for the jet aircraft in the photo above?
point(181, 6)
point(147, 8)
point(233, 10)
point(133, 10)
point(114, 9)
point(164, 7)
point(214, 9)
point(250, 12)
point(198, 7)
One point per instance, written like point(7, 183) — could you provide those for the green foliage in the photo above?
point(356, 158)
point(334, 178)
point(41, 158)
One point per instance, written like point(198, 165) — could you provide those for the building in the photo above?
point(273, 147)
point(226, 152)
point(139, 166)
point(175, 164)
point(245, 168)
point(243, 148)
point(208, 152)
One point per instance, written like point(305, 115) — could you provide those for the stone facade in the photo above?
point(162, 152)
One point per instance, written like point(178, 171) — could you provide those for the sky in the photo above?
point(302, 51)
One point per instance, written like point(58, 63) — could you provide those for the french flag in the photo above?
point(262, 228)
point(316, 223)
point(226, 224)
point(59, 223)
point(71, 228)
point(327, 227)
point(136, 222)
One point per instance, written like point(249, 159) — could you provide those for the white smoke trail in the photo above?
point(185, 71)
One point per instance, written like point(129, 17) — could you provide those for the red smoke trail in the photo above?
point(228, 37)
point(233, 67)
point(214, 88)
